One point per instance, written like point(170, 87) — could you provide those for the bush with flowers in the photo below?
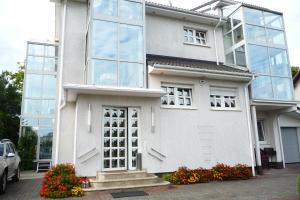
point(60, 182)
point(220, 172)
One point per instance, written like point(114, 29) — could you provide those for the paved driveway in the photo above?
point(275, 185)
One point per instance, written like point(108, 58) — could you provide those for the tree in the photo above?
point(294, 70)
point(11, 85)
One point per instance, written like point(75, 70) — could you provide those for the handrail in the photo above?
point(162, 155)
point(88, 155)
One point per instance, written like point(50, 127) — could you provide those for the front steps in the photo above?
point(124, 180)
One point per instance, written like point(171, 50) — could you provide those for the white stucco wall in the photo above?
point(165, 36)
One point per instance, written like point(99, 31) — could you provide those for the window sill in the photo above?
point(200, 45)
point(226, 109)
point(179, 107)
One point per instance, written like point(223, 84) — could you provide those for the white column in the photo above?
point(255, 133)
point(277, 138)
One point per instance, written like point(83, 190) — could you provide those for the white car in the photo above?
point(9, 164)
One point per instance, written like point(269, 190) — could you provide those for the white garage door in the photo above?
point(290, 145)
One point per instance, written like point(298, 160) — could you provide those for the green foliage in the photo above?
point(298, 186)
point(10, 103)
point(294, 70)
point(167, 177)
point(26, 149)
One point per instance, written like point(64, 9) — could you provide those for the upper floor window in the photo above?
point(177, 96)
point(193, 36)
point(223, 98)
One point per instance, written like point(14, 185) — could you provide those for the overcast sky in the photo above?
point(23, 20)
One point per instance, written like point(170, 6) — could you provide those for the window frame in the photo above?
point(194, 33)
point(263, 131)
point(176, 96)
point(222, 98)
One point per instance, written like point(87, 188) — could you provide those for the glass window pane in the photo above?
point(228, 40)
point(46, 135)
point(240, 56)
point(32, 106)
point(33, 85)
point(104, 39)
point(256, 34)
point(282, 88)
point(254, 16)
point(229, 58)
point(259, 60)
point(105, 7)
point(237, 17)
point(131, 75)
point(46, 121)
point(36, 49)
point(104, 72)
point(50, 65)
point(48, 107)
point(275, 37)
point(238, 34)
point(50, 51)
point(273, 20)
point(28, 121)
point(131, 10)
point(227, 26)
point(279, 62)
point(35, 63)
point(262, 88)
point(131, 43)
point(49, 86)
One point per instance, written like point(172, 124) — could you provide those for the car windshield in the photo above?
point(1, 149)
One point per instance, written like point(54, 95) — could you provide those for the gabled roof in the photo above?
point(232, 2)
point(192, 64)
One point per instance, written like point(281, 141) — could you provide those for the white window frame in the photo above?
point(262, 124)
point(176, 96)
point(221, 97)
point(203, 40)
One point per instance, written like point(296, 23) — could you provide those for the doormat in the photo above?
point(117, 195)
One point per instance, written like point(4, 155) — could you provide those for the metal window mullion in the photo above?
point(176, 96)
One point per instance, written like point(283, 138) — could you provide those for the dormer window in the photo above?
point(193, 36)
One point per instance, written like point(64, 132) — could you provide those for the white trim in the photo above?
point(75, 134)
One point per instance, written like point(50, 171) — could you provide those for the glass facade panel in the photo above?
point(48, 107)
point(104, 41)
point(273, 20)
point(238, 34)
point(228, 40)
point(262, 88)
point(36, 49)
point(32, 107)
point(50, 65)
point(49, 86)
point(229, 58)
point(282, 88)
point(240, 56)
point(33, 86)
point(105, 7)
point(275, 37)
point(279, 62)
point(131, 43)
point(237, 18)
point(254, 16)
point(104, 72)
point(259, 59)
point(35, 63)
point(131, 10)
point(45, 135)
point(256, 34)
point(50, 51)
point(28, 121)
point(131, 75)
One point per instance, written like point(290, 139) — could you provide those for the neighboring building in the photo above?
point(170, 84)
point(39, 96)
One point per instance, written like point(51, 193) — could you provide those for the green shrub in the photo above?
point(298, 185)
point(167, 177)
point(27, 150)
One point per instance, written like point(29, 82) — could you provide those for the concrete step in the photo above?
point(127, 187)
point(121, 175)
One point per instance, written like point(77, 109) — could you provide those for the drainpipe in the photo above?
point(62, 104)
point(246, 91)
point(215, 39)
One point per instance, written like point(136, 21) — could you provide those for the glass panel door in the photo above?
point(114, 132)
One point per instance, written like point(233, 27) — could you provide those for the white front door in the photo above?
point(120, 138)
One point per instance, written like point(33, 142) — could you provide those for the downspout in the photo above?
point(62, 104)
point(215, 39)
point(246, 91)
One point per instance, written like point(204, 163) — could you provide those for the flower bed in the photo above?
point(60, 182)
point(220, 172)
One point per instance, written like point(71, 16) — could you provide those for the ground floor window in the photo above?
point(261, 131)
